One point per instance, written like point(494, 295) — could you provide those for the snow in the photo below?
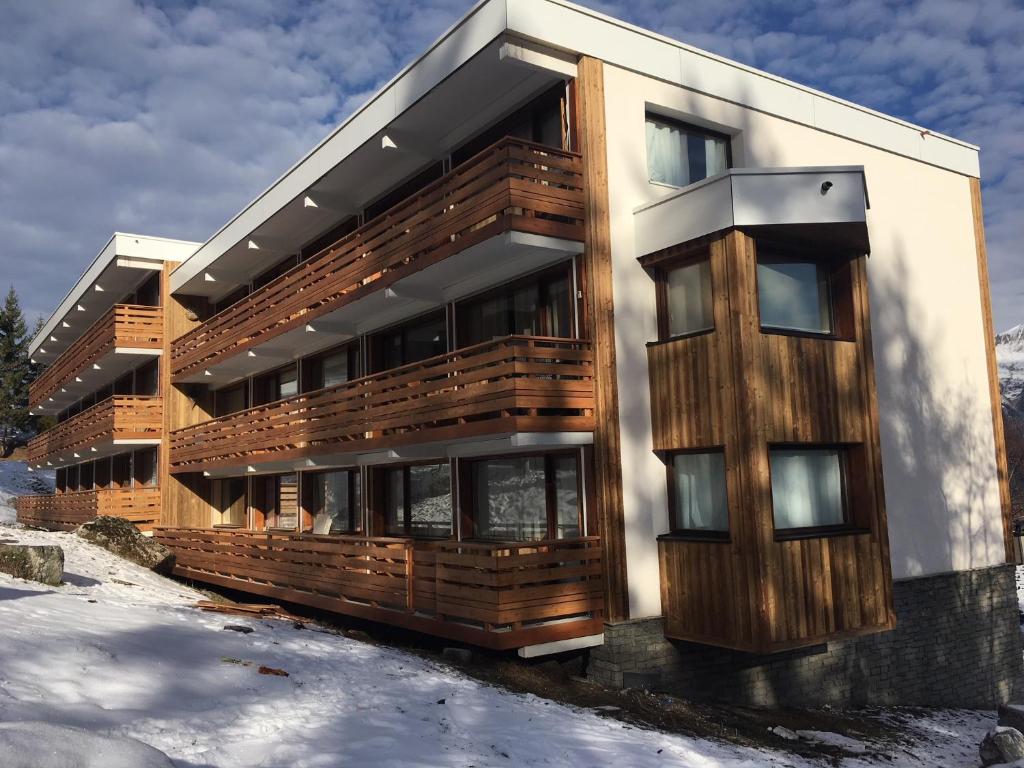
point(1010, 358)
point(16, 480)
point(122, 654)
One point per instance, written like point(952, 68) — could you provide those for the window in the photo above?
point(147, 379)
point(540, 305)
point(333, 502)
point(229, 498)
point(231, 399)
point(86, 476)
point(273, 273)
point(794, 295)
point(278, 385)
point(680, 154)
point(808, 487)
point(684, 301)
point(416, 340)
point(144, 462)
point(417, 501)
point(277, 498)
point(698, 500)
point(539, 121)
point(331, 368)
point(526, 498)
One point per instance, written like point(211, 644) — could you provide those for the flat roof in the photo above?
point(122, 250)
point(568, 28)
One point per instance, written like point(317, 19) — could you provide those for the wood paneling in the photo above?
point(1002, 465)
point(494, 595)
point(125, 325)
point(121, 417)
point(590, 129)
point(513, 185)
point(745, 390)
point(67, 511)
point(519, 383)
point(187, 499)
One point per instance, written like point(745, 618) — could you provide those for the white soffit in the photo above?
point(119, 268)
point(547, 34)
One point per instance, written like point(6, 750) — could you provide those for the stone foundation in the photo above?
point(957, 643)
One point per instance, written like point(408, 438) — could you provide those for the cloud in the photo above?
point(168, 118)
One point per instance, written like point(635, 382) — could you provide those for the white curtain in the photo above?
point(667, 160)
point(700, 492)
point(807, 488)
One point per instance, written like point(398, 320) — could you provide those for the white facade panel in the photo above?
point(932, 377)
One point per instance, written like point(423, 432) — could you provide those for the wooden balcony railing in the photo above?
point(67, 511)
point(125, 325)
point(121, 417)
point(513, 384)
point(513, 185)
point(494, 595)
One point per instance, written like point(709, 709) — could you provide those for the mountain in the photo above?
point(1010, 356)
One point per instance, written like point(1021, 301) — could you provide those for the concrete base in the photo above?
point(957, 643)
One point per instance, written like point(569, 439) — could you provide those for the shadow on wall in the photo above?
point(940, 500)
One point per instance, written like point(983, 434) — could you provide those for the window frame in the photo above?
point(692, 534)
point(850, 524)
point(374, 339)
point(661, 272)
point(652, 115)
point(309, 491)
point(467, 500)
point(839, 286)
point(378, 502)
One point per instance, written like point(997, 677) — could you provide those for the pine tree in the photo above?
point(15, 374)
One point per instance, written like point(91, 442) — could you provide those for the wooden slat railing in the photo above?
point(495, 595)
point(513, 185)
point(124, 325)
point(125, 417)
point(517, 383)
point(66, 511)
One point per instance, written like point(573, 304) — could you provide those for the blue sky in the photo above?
point(166, 118)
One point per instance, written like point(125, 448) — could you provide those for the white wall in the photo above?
point(937, 445)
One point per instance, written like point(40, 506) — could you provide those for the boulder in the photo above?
point(124, 540)
point(49, 745)
point(1002, 745)
point(44, 564)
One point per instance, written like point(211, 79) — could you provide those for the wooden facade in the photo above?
point(515, 384)
point(126, 326)
point(511, 186)
point(497, 596)
point(742, 389)
point(67, 511)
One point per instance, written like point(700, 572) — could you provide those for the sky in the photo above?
point(166, 118)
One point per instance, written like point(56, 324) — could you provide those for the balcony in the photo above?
point(67, 511)
point(513, 208)
point(110, 347)
point(517, 384)
point(497, 596)
point(104, 429)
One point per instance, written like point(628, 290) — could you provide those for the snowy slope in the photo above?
point(1010, 356)
point(121, 653)
point(16, 480)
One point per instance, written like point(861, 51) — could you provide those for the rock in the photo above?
point(458, 655)
point(238, 628)
point(44, 564)
point(1012, 716)
point(1002, 745)
point(784, 733)
point(124, 540)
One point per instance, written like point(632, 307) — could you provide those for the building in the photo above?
point(575, 336)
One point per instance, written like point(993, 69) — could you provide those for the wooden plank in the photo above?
point(995, 397)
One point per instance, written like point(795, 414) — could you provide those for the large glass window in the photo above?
point(331, 368)
point(698, 496)
point(145, 467)
point(416, 340)
point(277, 497)
point(687, 306)
point(333, 501)
point(278, 385)
point(229, 499)
point(794, 295)
point(540, 305)
point(526, 498)
point(680, 154)
point(418, 501)
point(807, 487)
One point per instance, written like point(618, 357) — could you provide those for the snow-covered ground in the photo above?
point(121, 652)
